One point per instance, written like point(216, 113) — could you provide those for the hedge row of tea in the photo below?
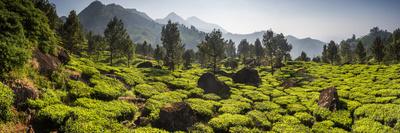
point(104, 99)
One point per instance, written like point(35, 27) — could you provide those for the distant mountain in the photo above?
point(311, 46)
point(140, 27)
point(191, 21)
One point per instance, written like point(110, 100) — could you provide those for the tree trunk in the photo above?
point(111, 58)
point(215, 64)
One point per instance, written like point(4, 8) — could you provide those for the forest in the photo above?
point(55, 76)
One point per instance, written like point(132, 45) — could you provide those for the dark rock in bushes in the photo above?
point(247, 76)
point(329, 98)
point(47, 63)
point(63, 56)
point(146, 64)
point(176, 117)
point(23, 91)
point(210, 84)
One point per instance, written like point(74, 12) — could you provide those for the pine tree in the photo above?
point(202, 54)
point(96, 46)
point(230, 49)
point(171, 41)
point(325, 55)
point(269, 46)
point(72, 35)
point(392, 49)
point(378, 49)
point(244, 50)
point(346, 52)
point(360, 52)
point(188, 57)
point(277, 48)
point(316, 59)
point(118, 40)
point(332, 53)
point(259, 50)
point(214, 47)
point(49, 10)
point(159, 53)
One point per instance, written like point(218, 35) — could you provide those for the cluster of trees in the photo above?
point(381, 50)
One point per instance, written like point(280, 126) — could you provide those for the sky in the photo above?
point(320, 19)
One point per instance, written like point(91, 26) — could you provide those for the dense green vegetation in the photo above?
point(103, 89)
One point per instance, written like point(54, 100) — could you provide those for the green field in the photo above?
point(369, 98)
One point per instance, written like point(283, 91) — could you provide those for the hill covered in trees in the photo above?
point(57, 77)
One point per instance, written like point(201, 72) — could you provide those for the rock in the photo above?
point(328, 98)
point(291, 82)
point(176, 117)
point(63, 56)
point(24, 90)
point(247, 76)
point(146, 64)
point(210, 84)
point(47, 63)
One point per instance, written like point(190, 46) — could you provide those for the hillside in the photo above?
point(140, 27)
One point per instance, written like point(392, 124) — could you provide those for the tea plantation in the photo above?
point(92, 97)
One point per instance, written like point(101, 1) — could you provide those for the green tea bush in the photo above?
point(225, 121)
point(241, 129)
point(55, 114)
point(266, 106)
point(305, 118)
point(342, 118)
point(366, 125)
point(273, 116)
point(205, 108)
point(289, 124)
point(201, 128)
point(78, 89)
point(120, 110)
point(259, 119)
point(233, 106)
point(106, 88)
point(296, 108)
point(131, 76)
point(6, 101)
point(148, 130)
point(147, 91)
point(285, 100)
point(388, 114)
point(154, 103)
point(49, 97)
point(211, 96)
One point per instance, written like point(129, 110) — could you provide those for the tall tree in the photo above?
point(392, 49)
point(96, 46)
point(202, 54)
point(159, 53)
point(303, 57)
point(244, 50)
point(72, 35)
point(171, 41)
point(333, 53)
point(49, 10)
point(277, 48)
point(269, 46)
point(360, 53)
point(259, 50)
point(325, 55)
point(118, 40)
point(214, 47)
point(346, 53)
point(188, 57)
point(230, 49)
point(378, 49)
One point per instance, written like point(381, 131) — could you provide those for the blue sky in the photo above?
point(321, 19)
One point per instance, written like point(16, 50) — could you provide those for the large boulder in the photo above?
point(247, 76)
point(47, 63)
point(210, 84)
point(176, 117)
point(329, 98)
point(63, 56)
point(146, 64)
point(24, 90)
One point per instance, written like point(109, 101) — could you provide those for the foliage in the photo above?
point(223, 122)
point(171, 41)
point(6, 101)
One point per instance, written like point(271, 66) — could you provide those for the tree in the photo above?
point(259, 50)
point(332, 53)
point(392, 49)
point(118, 40)
point(303, 57)
point(378, 49)
point(324, 58)
point(214, 47)
point(188, 57)
point(316, 59)
point(244, 50)
point(73, 38)
point(277, 48)
point(171, 41)
point(202, 54)
point(49, 10)
point(159, 53)
point(346, 52)
point(96, 46)
point(230, 49)
point(360, 52)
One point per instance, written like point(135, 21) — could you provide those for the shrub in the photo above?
point(289, 124)
point(296, 108)
point(225, 121)
point(241, 129)
point(259, 118)
point(367, 125)
point(201, 128)
point(78, 89)
point(233, 106)
point(120, 110)
point(106, 88)
point(386, 113)
point(54, 114)
point(305, 118)
point(6, 101)
point(285, 100)
point(154, 103)
point(211, 96)
point(342, 118)
point(148, 130)
point(147, 91)
point(49, 97)
point(266, 106)
point(204, 108)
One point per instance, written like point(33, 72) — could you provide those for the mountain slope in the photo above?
point(140, 27)
point(191, 21)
